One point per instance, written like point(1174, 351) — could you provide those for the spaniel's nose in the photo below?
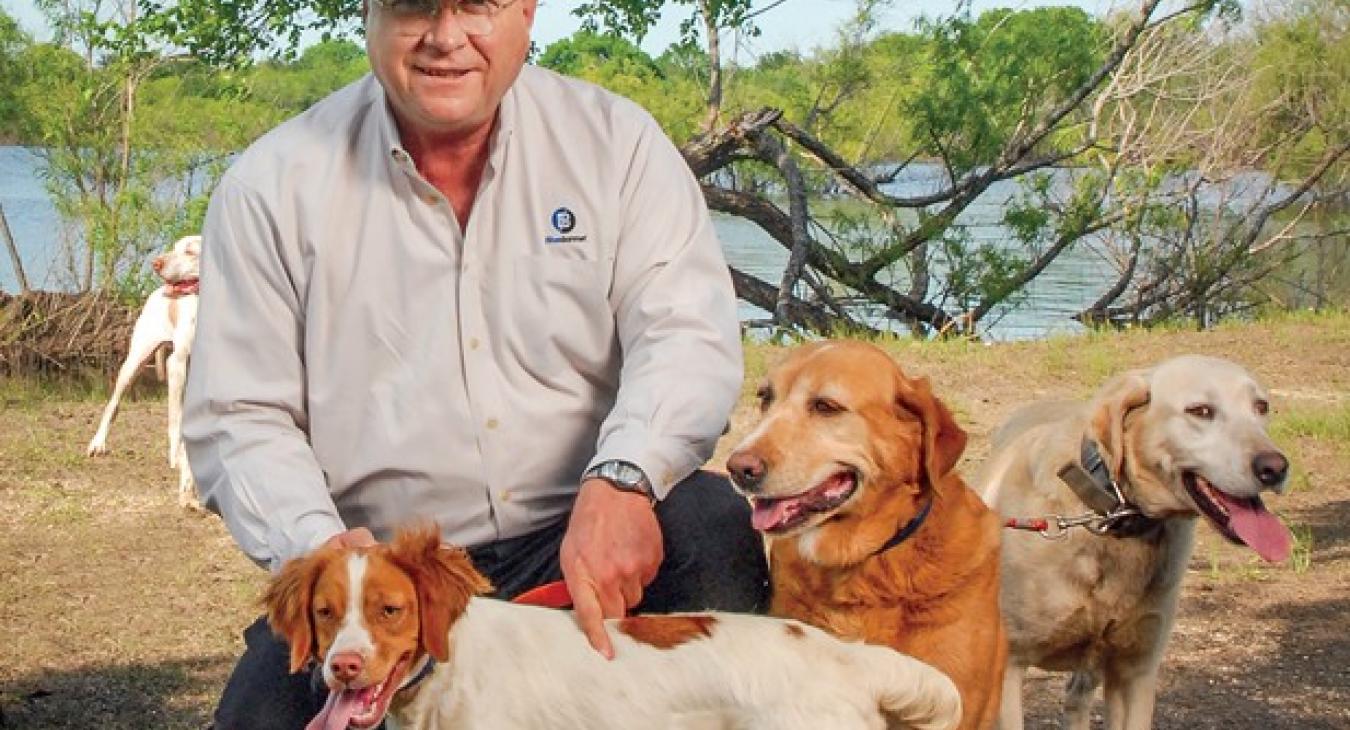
point(346, 666)
point(1270, 468)
point(157, 263)
point(747, 470)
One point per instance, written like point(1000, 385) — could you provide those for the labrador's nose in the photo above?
point(1270, 468)
point(747, 470)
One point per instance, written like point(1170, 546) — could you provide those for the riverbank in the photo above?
point(121, 611)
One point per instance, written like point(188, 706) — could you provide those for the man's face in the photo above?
point(439, 80)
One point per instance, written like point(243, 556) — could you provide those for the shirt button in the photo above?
point(492, 424)
point(431, 198)
point(473, 343)
point(506, 495)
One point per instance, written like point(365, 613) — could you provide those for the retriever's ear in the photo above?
point(1106, 422)
point(287, 600)
point(943, 440)
point(445, 580)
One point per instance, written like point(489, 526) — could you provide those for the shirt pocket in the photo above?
point(562, 318)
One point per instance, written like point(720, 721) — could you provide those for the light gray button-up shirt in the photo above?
point(363, 359)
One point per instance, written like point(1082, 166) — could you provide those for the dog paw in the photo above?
point(97, 447)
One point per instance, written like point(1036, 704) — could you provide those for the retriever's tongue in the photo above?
point(769, 514)
point(338, 711)
point(1261, 530)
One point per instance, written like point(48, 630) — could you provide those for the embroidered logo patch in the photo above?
point(564, 221)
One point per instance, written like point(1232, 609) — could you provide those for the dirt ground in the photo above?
point(120, 610)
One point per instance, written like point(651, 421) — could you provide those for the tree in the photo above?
point(13, 41)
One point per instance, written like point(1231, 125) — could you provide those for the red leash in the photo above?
point(549, 595)
point(1037, 524)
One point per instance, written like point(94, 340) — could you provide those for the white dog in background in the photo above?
point(168, 317)
point(1179, 441)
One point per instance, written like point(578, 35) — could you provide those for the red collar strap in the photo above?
point(182, 288)
point(549, 595)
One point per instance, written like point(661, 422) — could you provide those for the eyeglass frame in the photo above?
point(414, 9)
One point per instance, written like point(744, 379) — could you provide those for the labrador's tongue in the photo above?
point(338, 711)
point(1261, 530)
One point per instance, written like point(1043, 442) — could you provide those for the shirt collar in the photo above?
point(388, 135)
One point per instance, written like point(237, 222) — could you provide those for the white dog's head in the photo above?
point(1191, 437)
point(179, 265)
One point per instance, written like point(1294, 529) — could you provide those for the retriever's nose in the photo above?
point(1270, 468)
point(747, 470)
point(157, 263)
point(346, 666)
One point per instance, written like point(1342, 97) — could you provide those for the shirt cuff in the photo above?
point(636, 447)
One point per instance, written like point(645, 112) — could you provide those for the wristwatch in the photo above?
point(624, 476)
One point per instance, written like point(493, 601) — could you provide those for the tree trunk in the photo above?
point(13, 253)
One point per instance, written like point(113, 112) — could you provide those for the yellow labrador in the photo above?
point(1180, 440)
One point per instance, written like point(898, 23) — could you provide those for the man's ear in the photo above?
point(1106, 422)
point(287, 599)
point(943, 440)
point(445, 580)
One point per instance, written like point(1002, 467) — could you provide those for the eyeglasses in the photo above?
point(474, 16)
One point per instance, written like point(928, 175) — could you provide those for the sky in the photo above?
point(801, 25)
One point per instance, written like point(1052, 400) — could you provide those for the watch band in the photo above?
point(624, 476)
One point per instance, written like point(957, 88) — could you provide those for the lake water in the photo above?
point(1072, 282)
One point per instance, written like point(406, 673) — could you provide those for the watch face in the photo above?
point(625, 474)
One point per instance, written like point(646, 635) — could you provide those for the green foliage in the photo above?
point(674, 98)
point(12, 42)
point(985, 77)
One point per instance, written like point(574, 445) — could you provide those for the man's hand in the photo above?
point(359, 537)
point(611, 551)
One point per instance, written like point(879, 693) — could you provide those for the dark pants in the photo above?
point(713, 560)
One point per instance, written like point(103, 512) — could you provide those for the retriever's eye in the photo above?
point(1262, 407)
point(391, 611)
point(1201, 410)
point(765, 396)
point(825, 407)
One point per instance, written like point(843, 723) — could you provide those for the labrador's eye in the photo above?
point(1262, 407)
point(1202, 411)
point(765, 396)
point(826, 407)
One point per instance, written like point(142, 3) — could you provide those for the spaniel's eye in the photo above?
point(392, 611)
point(825, 407)
point(1262, 407)
point(1201, 410)
point(323, 612)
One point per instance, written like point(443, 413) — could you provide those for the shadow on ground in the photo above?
point(1303, 685)
point(112, 697)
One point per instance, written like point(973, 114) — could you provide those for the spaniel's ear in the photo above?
point(445, 580)
point(1106, 422)
point(287, 600)
point(943, 440)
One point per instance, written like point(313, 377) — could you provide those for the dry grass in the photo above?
point(118, 610)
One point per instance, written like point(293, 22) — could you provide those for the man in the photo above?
point(479, 293)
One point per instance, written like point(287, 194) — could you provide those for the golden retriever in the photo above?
point(872, 535)
point(1184, 439)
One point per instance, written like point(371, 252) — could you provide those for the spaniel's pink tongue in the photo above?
point(338, 711)
point(1261, 530)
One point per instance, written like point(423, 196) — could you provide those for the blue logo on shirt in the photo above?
point(564, 220)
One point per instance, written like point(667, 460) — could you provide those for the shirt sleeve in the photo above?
point(675, 312)
point(244, 416)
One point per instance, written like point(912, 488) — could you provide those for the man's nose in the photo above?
point(446, 33)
